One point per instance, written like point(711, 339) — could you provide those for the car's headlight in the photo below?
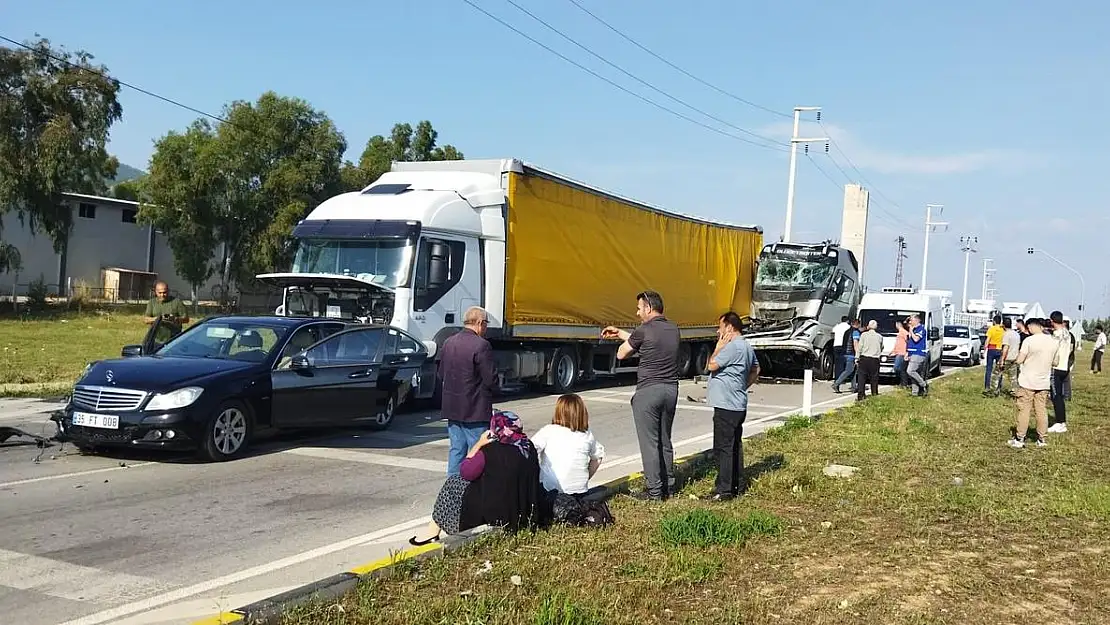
point(175, 399)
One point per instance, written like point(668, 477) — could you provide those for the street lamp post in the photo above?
point(1082, 283)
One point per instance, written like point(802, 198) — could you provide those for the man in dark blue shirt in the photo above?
point(918, 352)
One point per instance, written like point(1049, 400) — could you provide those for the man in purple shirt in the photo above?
point(468, 377)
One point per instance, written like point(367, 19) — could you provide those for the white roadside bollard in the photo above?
point(807, 393)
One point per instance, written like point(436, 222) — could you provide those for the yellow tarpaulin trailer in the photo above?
point(577, 257)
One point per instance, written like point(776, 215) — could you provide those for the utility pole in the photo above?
point(794, 141)
point(929, 225)
point(968, 247)
point(899, 256)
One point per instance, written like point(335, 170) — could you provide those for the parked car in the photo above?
point(962, 345)
point(214, 386)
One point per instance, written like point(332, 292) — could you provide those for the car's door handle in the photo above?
point(365, 373)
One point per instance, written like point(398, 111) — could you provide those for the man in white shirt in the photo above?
point(1036, 357)
point(838, 346)
point(1096, 353)
point(1061, 368)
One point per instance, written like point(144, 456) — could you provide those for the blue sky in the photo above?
point(994, 109)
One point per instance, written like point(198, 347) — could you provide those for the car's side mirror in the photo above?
point(300, 363)
point(934, 334)
point(131, 351)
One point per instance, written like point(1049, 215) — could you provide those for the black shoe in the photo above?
point(643, 495)
point(419, 543)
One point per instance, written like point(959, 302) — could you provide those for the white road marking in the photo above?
point(73, 582)
point(626, 402)
point(369, 457)
point(414, 439)
point(62, 476)
point(144, 605)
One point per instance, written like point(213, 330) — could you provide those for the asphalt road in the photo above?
point(151, 539)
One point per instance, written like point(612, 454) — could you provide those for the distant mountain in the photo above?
point(127, 172)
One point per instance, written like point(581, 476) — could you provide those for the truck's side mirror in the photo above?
point(934, 334)
point(439, 255)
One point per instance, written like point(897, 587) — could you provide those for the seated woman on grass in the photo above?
point(498, 485)
point(569, 453)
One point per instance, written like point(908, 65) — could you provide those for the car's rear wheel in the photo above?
point(227, 433)
point(384, 418)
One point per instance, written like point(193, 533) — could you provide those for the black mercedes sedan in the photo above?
point(214, 386)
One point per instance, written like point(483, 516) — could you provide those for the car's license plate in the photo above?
point(89, 420)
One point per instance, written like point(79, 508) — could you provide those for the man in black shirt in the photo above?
point(656, 341)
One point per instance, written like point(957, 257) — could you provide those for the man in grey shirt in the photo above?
point(656, 341)
point(733, 368)
point(867, 363)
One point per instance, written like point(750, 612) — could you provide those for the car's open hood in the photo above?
point(317, 280)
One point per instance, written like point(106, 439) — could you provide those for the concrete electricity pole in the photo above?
point(794, 141)
point(967, 246)
point(899, 257)
point(929, 225)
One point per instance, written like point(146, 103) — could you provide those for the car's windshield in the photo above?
point(777, 273)
point(887, 319)
point(957, 332)
point(386, 261)
point(245, 340)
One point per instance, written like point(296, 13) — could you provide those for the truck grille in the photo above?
point(107, 398)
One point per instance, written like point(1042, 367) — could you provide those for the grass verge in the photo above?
point(44, 356)
point(943, 523)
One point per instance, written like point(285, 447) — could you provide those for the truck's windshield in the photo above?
point(887, 319)
point(777, 273)
point(386, 262)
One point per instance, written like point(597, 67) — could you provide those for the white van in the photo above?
point(894, 304)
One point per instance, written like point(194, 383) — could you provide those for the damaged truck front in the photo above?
point(801, 292)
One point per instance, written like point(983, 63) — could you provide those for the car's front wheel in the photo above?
point(227, 432)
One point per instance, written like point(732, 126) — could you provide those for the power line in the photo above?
point(894, 219)
point(103, 74)
point(617, 85)
point(157, 96)
point(862, 177)
point(643, 82)
point(688, 74)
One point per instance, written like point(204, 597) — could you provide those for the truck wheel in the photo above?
point(564, 370)
point(826, 364)
point(685, 356)
point(701, 362)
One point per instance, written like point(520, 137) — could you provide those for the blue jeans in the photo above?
point(849, 371)
point(993, 356)
point(462, 436)
point(900, 369)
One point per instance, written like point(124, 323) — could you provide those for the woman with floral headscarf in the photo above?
point(498, 485)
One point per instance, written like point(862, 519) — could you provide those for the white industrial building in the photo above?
point(107, 254)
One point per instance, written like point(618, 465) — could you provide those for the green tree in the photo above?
point(404, 144)
point(183, 196)
point(247, 181)
point(56, 110)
